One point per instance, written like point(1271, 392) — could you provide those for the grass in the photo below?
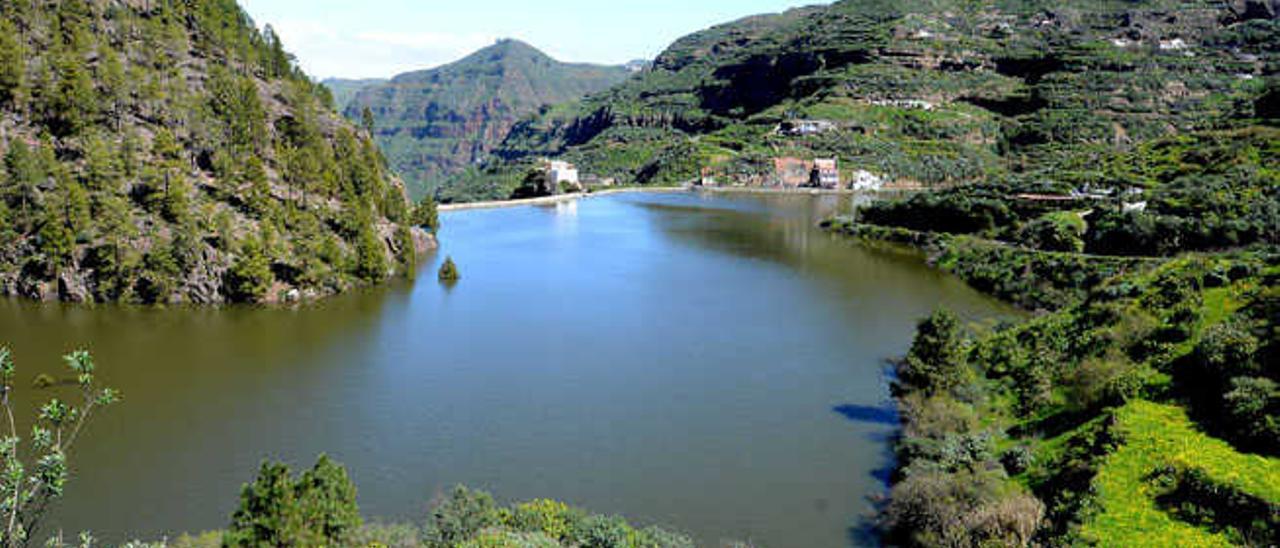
point(1158, 436)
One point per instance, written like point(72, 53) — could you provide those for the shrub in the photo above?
point(316, 509)
point(935, 363)
point(459, 517)
point(961, 509)
point(250, 276)
point(449, 271)
point(556, 519)
point(1105, 381)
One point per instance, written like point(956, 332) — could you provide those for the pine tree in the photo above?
point(13, 65)
point(25, 174)
point(366, 119)
point(408, 250)
point(371, 259)
point(56, 241)
point(115, 86)
point(103, 169)
point(427, 214)
point(74, 101)
point(250, 277)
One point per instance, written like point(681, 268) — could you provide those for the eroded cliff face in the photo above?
point(436, 123)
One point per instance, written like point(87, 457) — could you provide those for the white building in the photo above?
point(561, 172)
point(866, 180)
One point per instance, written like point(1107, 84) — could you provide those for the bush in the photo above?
point(962, 509)
point(935, 363)
point(459, 517)
point(449, 271)
point(250, 277)
point(316, 509)
point(1054, 232)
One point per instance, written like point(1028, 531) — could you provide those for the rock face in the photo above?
point(435, 123)
point(165, 152)
point(1007, 82)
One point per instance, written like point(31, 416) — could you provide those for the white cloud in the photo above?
point(326, 51)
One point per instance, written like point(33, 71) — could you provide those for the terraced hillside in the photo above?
point(918, 92)
point(1140, 407)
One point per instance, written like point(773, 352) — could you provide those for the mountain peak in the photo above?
point(508, 50)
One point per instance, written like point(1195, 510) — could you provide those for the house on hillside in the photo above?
point(560, 174)
point(800, 128)
point(866, 181)
point(708, 177)
point(791, 172)
point(826, 173)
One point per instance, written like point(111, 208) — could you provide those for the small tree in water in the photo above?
point(27, 489)
point(449, 271)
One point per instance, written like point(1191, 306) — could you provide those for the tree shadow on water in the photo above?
point(880, 414)
point(865, 529)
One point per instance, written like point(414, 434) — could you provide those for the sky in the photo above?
point(382, 38)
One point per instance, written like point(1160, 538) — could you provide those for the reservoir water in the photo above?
point(711, 363)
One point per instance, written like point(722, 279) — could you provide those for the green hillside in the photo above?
point(171, 152)
point(920, 92)
point(345, 90)
point(435, 123)
point(1141, 406)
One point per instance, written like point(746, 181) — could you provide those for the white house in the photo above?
point(561, 172)
point(866, 180)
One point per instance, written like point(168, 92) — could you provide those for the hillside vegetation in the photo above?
point(1141, 406)
point(434, 124)
point(919, 92)
point(171, 152)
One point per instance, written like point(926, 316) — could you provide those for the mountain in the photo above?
point(435, 123)
point(344, 90)
point(917, 92)
point(165, 152)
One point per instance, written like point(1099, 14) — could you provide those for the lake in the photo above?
point(711, 363)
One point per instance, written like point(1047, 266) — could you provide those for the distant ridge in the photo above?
point(435, 123)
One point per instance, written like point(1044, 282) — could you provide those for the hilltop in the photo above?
point(166, 152)
point(916, 93)
point(435, 123)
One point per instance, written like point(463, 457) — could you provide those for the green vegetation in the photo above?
point(1160, 438)
point(37, 473)
point(434, 124)
point(319, 508)
point(136, 170)
point(449, 271)
point(1142, 407)
point(925, 92)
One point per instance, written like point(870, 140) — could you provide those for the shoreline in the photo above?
point(562, 198)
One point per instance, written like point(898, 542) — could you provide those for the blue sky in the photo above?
point(378, 38)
